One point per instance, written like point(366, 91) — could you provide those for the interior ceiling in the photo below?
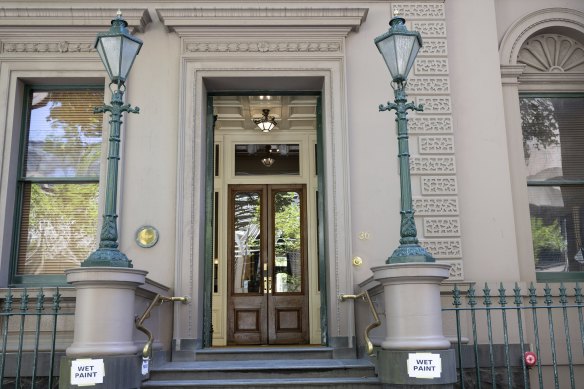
point(292, 113)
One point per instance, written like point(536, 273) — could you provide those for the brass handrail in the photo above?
point(365, 296)
point(158, 300)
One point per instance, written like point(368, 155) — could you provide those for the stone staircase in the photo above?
point(266, 368)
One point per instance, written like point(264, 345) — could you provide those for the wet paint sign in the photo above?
point(87, 372)
point(424, 365)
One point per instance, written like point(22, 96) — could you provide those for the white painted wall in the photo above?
point(490, 250)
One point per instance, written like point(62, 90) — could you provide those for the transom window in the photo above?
point(58, 184)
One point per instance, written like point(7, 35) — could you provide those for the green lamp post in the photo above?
point(399, 48)
point(117, 49)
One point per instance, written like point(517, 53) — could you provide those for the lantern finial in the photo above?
point(117, 49)
point(399, 48)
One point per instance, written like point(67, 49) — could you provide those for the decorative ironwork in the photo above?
point(512, 331)
point(108, 254)
point(23, 329)
point(409, 249)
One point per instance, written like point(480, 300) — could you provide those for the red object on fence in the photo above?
point(530, 358)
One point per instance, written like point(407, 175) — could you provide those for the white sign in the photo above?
point(424, 365)
point(87, 372)
point(145, 365)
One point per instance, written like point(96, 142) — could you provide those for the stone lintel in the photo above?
point(178, 19)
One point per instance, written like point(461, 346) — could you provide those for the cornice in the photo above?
point(137, 18)
point(181, 19)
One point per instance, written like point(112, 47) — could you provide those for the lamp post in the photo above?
point(410, 270)
point(117, 49)
point(399, 48)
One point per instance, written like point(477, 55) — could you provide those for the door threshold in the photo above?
point(266, 348)
point(234, 353)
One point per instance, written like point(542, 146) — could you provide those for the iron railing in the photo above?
point(158, 300)
point(28, 339)
point(495, 330)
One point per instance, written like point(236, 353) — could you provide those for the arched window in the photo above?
point(552, 125)
point(542, 64)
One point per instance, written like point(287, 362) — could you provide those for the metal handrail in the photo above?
point(365, 296)
point(158, 300)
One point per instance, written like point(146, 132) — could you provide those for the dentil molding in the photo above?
point(304, 46)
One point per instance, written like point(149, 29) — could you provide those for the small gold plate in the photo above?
point(146, 236)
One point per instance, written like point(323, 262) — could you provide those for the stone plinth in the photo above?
point(104, 311)
point(412, 305)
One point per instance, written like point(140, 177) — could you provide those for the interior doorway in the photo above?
point(265, 254)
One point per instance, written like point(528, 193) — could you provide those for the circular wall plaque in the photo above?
point(146, 236)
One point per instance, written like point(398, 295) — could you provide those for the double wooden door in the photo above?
point(267, 285)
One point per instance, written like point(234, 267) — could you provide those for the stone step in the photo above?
point(263, 369)
point(263, 353)
point(291, 383)
point(265, 374)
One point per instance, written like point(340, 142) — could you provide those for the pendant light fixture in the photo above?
point(266, 123)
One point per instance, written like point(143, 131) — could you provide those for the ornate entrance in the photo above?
point(265, 252)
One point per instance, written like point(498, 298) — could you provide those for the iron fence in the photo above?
point(29, 334)
point(494, 331)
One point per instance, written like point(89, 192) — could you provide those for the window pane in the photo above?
point(247, 269)
point(287, 239)
point(58, 227)
point(557, 225)
point(553, 137)
point(63, 134)
point(267, 159)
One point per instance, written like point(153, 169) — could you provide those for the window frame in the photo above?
point(21, 179)
point(554, 276)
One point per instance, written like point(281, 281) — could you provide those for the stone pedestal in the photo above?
point(393, 370)
point(121, 372)
point(412, 305)
point(413, 313)
point(104, 310)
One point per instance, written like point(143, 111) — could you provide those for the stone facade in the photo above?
point(468, 170)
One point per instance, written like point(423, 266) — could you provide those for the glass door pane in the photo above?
point(247, 265)
point(287, 242)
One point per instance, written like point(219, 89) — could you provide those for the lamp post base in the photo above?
point(406, 253)
point(104, 311)
point(105, 257)
point(413, 308)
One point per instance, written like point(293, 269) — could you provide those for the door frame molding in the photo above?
point(321, 280)
point(196, 77)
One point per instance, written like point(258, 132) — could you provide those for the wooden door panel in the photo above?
point(247, 323)
point(290, 321)
point(267, 283)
